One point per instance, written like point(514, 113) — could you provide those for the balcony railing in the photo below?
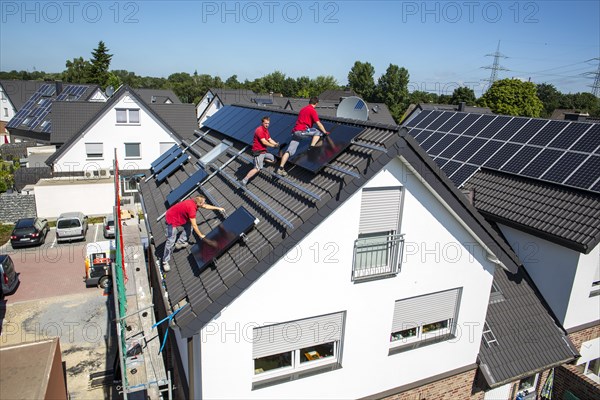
point(377, 256)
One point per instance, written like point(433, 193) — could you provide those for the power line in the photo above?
point(495, 67)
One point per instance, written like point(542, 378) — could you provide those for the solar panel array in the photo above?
point(239, 123)
point(35, 110)
point(563, 152)
point(166, 158)
point(186, 187)
point(172, 167)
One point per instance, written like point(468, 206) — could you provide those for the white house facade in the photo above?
point(127, 126)
point(308, 297)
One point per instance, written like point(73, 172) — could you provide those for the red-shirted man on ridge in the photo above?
point(183, 214)
point(262, 140)
point(303, 128)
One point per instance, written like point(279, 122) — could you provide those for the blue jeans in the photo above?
point(172, 239)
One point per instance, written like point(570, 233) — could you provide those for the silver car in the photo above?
point(9, 279)
point(108, 226)
point(71, 226)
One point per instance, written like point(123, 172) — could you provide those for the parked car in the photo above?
point(28, 232)
point(109, 226)
point(9, 279)
point(71, 226)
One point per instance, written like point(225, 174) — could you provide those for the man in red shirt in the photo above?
point(183, 214)
point(303, 128)
point(262, 140)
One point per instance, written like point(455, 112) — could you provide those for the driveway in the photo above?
point(52, 300)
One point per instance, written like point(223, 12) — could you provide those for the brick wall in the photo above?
point(455, 387)
point(569, 377)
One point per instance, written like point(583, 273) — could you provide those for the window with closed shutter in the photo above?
point(424, 317)
point(94, 150)
point(289, 347)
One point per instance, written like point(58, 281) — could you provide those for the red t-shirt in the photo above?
point(306, 118)
point(260, 133)
point(181, 213)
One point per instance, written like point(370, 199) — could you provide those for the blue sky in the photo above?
point(443, 44)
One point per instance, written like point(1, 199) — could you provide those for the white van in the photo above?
point(71, 226)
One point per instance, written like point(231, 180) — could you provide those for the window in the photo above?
point(129, 185)
point(128, 116)
point(215, 152)
point(423, 319)
point(132, 150)
point(164, 146)
point(94, 150)
point(5, 111)
point(527, 385)
point(495, 294)
point(288, 349)
point(591, 369)
point(377, 251)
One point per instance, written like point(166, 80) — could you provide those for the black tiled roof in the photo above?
point(19, 91)
point(158, 96)
point(336, 95)
point(565, 216)
point(68, 117)
point(378, 112)
point(528, 339)
point(30, 176)
point(212, 289)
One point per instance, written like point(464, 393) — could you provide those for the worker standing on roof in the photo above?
point(307, 117)
point(183, 214)
point(262, 140)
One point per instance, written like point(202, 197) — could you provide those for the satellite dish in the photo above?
point(353, 107)
point(110, 91)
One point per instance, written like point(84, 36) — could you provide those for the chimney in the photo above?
point(59, 87)
point(461, 106)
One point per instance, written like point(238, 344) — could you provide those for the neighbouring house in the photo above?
point(377, 112)
point(13, 95)
point(363, 274)
point(538, 181)
point(90, 132)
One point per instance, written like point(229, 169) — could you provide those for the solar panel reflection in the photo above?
point(220, 239)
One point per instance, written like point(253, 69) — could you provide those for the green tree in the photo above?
point(584, 102)
point(273, 82)
point(303, 87)
point(463, 94)
point(322, 83)
point(78, 71)
point(233, 83)
point(100, 63)
point(360, 79)
point(392, 89)
point(113, 80)
point(512, 97)
point(419, 96)
point(550, 98)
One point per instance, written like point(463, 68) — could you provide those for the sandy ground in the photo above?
point(80, 320)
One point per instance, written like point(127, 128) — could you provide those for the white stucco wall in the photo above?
point(314, 280)
point(213, 108)
point(563, 276)
point(93, 197)
point(6, 115)
point(149, 132)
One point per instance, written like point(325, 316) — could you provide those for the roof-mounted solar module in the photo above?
point(167, 160)
point(163, 156)
point(186, 187)
point(220, 239)
point(171, 168)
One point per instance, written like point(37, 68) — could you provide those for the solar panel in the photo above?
point(220, 239)
point(586, 175)
point(590, 141)
point(450, 120)
point(429, 118)
point(529, 131)
point(431, 140)
point(510, 129)
point(463, 174)
point(521, 159)
point(341, 136)
point(420, 135)
point(470, 149)
point(479, 125)
point(548, 133)
point(542, 162)
point(493, 128)
point(455, 147)
point(570, 135)
point(465, 123)
point(444, 142)
point(564, 167)
point(162, 157)
point(186, 187)
point(215, 120)
point(451, 166)
point(500, 157)
point(418, 118)
point(167, 160)
point(439, 121)
point(171, 168)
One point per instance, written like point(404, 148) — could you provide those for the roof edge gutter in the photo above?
point(490, 254)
